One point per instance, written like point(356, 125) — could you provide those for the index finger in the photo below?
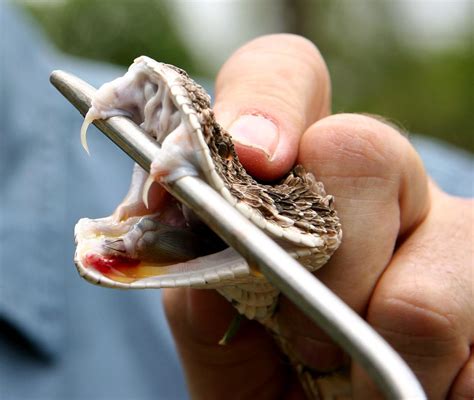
point(267, 94)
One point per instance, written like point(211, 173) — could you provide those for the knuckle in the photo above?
point(418, 324)
point(426, 328)
point(368, 143)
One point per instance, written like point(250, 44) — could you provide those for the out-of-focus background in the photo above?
point(408, 60)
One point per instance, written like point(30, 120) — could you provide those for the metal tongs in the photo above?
point(352, 333)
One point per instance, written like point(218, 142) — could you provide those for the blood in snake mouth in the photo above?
point(153, 241)
point(149, 231)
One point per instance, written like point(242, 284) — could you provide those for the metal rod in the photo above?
point(350, 331)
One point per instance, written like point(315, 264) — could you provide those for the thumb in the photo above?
point(267, 94)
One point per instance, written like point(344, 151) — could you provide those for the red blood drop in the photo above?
point(109, 263)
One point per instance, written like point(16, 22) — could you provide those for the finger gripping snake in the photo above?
point(153, 241)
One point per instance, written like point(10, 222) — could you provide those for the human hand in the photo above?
point(405, 263)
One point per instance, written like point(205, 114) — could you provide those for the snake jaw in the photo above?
point(119, 251)
point(151, 241)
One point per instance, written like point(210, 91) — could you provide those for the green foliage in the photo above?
point(426, 94)
point(116, 31)
point(377, 71)
point(372, 69)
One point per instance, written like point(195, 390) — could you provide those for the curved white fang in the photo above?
point(88, 119)
point(146, 188)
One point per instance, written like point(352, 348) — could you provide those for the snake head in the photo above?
point(153, 241)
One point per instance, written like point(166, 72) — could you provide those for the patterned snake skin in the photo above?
point(152, 241)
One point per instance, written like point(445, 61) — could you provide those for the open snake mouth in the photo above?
point(152, 240)
point(136, 243)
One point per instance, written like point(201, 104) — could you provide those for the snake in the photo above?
point(153, 241)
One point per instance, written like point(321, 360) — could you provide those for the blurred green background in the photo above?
point(381, 60)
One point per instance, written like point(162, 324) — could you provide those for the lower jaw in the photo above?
point(125, 268)
point(121, 269)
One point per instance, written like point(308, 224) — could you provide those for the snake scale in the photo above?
point(153, 241)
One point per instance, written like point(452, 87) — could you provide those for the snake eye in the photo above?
point(223, 150)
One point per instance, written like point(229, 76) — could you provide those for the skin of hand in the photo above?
point(405, 262)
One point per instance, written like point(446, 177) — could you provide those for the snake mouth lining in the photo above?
point(150, 234)
point(140, 245)
point(121, 250)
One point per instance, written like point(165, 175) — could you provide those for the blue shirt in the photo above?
point(60, 337)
